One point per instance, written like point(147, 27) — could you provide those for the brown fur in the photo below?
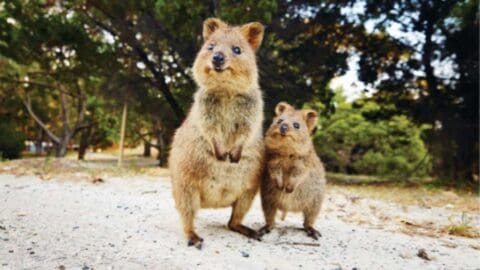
point(294, 178)
point(217, 154)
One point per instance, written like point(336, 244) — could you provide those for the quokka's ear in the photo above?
point(253, 32)
point(211, 25)
point(282, 107)
point(310, 117)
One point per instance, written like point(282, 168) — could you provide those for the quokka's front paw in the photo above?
point(221, 156)
point(289, 188)
point(219, 151)
point(279, 183)
point(235, 154)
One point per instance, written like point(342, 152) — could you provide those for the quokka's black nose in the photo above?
point(218, 59)
point(283, 128)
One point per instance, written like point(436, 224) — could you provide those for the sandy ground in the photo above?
point(131, 223)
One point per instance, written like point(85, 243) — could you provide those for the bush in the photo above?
point(352, 141)
point(11, 141)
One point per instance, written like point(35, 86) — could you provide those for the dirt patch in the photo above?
point(132, 223)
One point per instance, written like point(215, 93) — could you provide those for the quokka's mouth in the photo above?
point(218, 69)
point(280, 135)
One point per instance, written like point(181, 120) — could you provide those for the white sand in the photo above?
point(132, 224)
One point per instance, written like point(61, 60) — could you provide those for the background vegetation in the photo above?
point(67, 68)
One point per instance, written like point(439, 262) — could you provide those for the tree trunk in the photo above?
point(60, 142)
point(147, 147)
point(161, 156)
point(61, 148)
point(122, 133)
point(84, 143)
point(38, 141)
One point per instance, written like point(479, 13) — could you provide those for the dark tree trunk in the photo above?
point(162, 155)
point(61, 148)
point(147, 147)
point(84, 143)
point(38, 141)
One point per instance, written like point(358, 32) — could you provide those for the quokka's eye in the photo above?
point(210, 47)
point(296, 125)
point(236, 50)
point(279, 121)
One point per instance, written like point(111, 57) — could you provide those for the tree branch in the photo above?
point(36, 83)
point(128, 37)
point(142, 136)
point(28, 105)
point(64, 111)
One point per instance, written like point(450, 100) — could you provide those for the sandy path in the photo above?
point(125, 224)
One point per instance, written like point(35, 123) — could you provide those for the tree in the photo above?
point(50, 54)
point(11, 140)
point(305, 46)
point(103, 131)
point(434, 78)
point(360, 138)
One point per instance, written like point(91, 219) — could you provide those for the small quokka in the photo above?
point(216, 159)
point(294, 179)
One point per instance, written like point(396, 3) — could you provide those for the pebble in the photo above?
point(423, 254)
point(245, 254)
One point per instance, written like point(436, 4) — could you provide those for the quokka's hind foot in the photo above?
point(250, 233)
point(311, 232)
point(264, 230)
point(195, 240)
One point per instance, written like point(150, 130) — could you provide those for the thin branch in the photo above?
point(28, 105)
point(142, 136)
point(81, 107)
point(65, 112)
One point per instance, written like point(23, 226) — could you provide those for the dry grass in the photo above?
point(90, 170)
point(104, 165)
point(419, 196)
point(462, 228)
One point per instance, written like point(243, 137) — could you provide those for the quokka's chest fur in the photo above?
point(228, 114)
point(221, 106)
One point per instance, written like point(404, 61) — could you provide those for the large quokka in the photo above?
point(294, 178)
point(216, 159)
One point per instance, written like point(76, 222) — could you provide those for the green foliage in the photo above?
point(105, 53)
point(105, 124)
point(11, 141)
point(433, 79)
point(349, 142)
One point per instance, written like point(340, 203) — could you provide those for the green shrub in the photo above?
point(352, 141)
point(11, 141)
